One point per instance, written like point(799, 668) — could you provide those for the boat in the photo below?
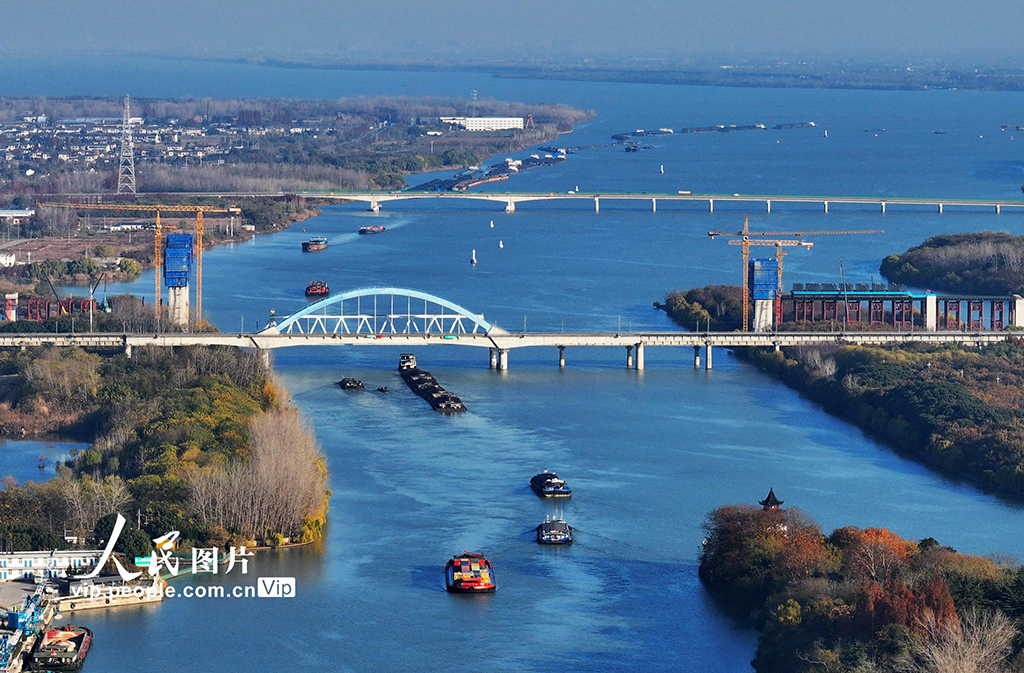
point(317, 288)
point(554, 531)
point(548, 485)
point(349, 383)
point(314, 244)
point(469, 573)
point(62, 648)
point(375, 229)
point(426, 386)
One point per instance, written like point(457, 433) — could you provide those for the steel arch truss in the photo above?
point(382, 310)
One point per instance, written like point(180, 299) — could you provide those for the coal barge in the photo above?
point(426, 386)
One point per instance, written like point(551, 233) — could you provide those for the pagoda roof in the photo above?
point(770, 500)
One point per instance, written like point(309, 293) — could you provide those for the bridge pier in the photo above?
point(510, 207)
point(640, 357)
point(696, 357)
point(998, 209)
point(494, 358)
point(930, 312)
point(128, 350)
point(629, 357)
point(374, 207)
point(654, 205)
point(940, 207)
point(707, 359)
point(561, 357)
point(711, 205)
point(264, 355)
point(883, 206)
point(769, 202)
point(502, 359)
point(826, 206)
point(597, 205)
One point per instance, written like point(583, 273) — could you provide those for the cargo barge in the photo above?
point(548, 485)
point(375, 229)
point(469, 573)
point(554, 531)
point(426, 386)
point(317, 288)
point(62, 648)
point(314, 244)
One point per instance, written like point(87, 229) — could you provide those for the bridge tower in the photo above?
point(177, 263)
point(126, 170)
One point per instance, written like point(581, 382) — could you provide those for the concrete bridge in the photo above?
point(407, 319)
point(508, 200)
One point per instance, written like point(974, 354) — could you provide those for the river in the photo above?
point(648, 454)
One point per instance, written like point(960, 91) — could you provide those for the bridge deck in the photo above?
point(269, 340)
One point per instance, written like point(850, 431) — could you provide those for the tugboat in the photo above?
point(314, 244)
point(469, 573)
point(554, 531)
point(375, 229)
point(317, 288)
point(349, 383)
point(548, 485)
point(62, 648)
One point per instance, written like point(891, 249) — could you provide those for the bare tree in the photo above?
point(980, 644)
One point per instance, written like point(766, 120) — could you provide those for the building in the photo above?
point(485, 123)
point(15, 216)
point(47, 564)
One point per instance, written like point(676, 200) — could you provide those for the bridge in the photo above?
point(407, 319)
point(510, 199)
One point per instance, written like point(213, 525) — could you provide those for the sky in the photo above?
point(517, 31)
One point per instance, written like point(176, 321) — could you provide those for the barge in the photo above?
point(62, 648)
point(349, 383)
point(426, 386)
point(554, 531)
point(314, 244)
point(375, 229)
point(548, 485)
point(317, 288)
point(469, 573)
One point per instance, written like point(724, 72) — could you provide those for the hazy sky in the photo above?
point(517, 29)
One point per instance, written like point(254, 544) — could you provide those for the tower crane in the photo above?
point(745, 241)
point(198, 210)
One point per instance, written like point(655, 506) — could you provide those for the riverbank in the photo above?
point(858, 599)
point(183, 437)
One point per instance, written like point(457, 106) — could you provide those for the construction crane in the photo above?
point(198, 210)
point(746, 242)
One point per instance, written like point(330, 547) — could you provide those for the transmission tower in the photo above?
point(126, 171)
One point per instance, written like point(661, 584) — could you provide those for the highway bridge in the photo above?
point(508, 200)
point(407, 319)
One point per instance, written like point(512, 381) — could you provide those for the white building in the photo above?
point(16, 216)
point(485, 123)
point(40, 564)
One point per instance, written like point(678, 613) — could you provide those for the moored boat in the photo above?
point(375, 229)
point(62, 648)
point(554, 531)
point(317, 288)
point(548, 485)
point(469, 573)
point(314, 244)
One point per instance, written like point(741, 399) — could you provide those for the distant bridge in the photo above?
point(510, 199)
point(407, 319)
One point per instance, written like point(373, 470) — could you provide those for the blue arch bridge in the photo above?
point(404, 318)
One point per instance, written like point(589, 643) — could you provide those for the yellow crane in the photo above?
point(198, 210)
point(746, 242)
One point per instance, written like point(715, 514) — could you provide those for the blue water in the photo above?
point(22, 458)
point(648, 454)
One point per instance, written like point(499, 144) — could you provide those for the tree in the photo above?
point(981, 644)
